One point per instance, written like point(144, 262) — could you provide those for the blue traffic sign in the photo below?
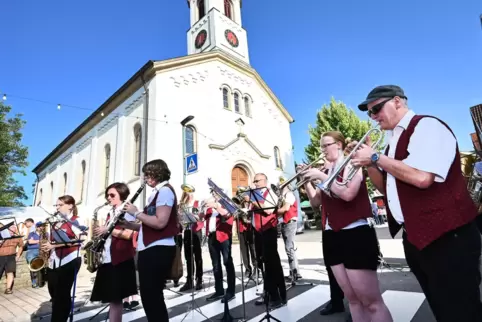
point(191, 163)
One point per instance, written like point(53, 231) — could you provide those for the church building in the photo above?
point(208, 115)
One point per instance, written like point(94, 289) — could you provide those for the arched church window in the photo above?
point(247, 107)
point(65, 183)
point(39, 199)
point(228, 9)
point(137, 148)
point(277, 158)
point(107, 165)
point(236, 102)
point(51, 190)
point(226, 98)
point(82, 179)
point(201, 9)
point(190, 140)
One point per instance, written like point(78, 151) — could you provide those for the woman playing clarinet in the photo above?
point(350, 245)
point(156, 245)
point(116, 277)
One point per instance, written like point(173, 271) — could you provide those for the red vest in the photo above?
point(243, 226)
point(263, 220)
point(150, 234)
point(430, 213)
point(224, 227)
point(120, 249)
point(341, 213)
point(291, 213)
point(64, 251)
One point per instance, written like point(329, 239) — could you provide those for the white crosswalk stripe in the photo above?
point(304, 303)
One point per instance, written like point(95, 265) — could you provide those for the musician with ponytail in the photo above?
point(116, 277)
point(156, 247)
point(64, 261)
point(350, 245)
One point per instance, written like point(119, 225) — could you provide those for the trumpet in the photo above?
point(278, 189)
point(240, 194)
point(326, 185)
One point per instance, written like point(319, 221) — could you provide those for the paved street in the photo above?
point(400, 291)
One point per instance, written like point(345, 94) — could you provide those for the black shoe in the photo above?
point(199, 284)
point(215, 297)
point(228, 297)
point(330, 309)
point(275, 304)
point(126, 305)
point(186, 287)
point(259, 301)
point(176, 283)
point(133, 305)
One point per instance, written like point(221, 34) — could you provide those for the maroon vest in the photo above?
point(150, 234)
point(64, 251)
point(120, 249)
point(224, 227)
point(341, 213)
point(430, 213)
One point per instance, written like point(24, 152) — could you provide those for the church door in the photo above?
point(239, 177)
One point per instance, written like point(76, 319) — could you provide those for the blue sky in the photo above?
point(80, 52)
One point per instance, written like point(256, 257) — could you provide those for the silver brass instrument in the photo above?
point(240, 194)
point(326, 185)
point(92, 259)
point(474, 184)
point(226, 202)
point(187, 214)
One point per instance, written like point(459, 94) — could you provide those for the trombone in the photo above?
point(326, 185)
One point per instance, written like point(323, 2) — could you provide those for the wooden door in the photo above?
point(239, 177)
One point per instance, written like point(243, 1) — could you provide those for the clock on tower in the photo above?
point(216, 25)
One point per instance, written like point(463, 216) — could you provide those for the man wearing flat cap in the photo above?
point(426, 195)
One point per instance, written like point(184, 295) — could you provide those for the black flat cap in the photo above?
point(382, 91)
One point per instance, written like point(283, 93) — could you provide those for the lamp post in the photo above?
point(183, 124)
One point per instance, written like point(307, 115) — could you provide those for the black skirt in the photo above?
point(114, 283)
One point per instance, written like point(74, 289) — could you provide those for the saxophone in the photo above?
point(39, 263)
point(93, 259)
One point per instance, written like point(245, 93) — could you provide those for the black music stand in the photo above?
point(61, 238)
point(261, 210)
point(190, 219)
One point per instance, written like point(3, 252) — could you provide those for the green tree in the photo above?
point(13, 158)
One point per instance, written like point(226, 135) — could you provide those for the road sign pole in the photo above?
point(184, 154)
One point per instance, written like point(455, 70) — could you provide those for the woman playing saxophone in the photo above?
point(116, 277)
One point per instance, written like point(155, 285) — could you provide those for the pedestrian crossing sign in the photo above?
point(191, 163)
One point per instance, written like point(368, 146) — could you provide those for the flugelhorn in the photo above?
point(240, 194)
point(326, 185)
point(278, 189)
point(187, 188)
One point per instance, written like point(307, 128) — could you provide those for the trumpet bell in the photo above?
point(187, 188)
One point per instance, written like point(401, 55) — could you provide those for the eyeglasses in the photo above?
point(59, 205)
point(377, 108)
point(324, 146)
point(256, 181)
point(111, 195)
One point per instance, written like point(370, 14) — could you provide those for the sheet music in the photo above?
point(5, 234)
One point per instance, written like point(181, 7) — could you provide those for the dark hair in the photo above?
point(121, 188)
point(157, 170)
point(69, 200)
point(29, 220)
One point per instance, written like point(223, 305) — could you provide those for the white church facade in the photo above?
point(237, 127)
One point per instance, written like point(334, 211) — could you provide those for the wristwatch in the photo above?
point(375, 157)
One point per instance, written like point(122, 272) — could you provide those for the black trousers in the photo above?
point(216, 250)
point(246, 245)
point(266, 244)
point(60, 282)
point(198, 260)
point(154, 264)
point(448, 272)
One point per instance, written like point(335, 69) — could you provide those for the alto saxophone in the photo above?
point(93, 259)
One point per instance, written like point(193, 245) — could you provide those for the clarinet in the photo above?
point(98, 245)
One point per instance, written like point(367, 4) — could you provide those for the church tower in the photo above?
point(216, 25)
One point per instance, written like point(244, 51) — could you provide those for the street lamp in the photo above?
point(183, 124)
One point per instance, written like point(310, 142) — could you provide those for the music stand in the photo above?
point(234, 211)
point(261, 210)
point(188, 220)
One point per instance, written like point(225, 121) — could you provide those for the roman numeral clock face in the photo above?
point(231, 38)
point(200, 39)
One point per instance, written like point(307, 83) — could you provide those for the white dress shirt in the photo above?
point(164, 198)
point(55, 261)
point(431, 149)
